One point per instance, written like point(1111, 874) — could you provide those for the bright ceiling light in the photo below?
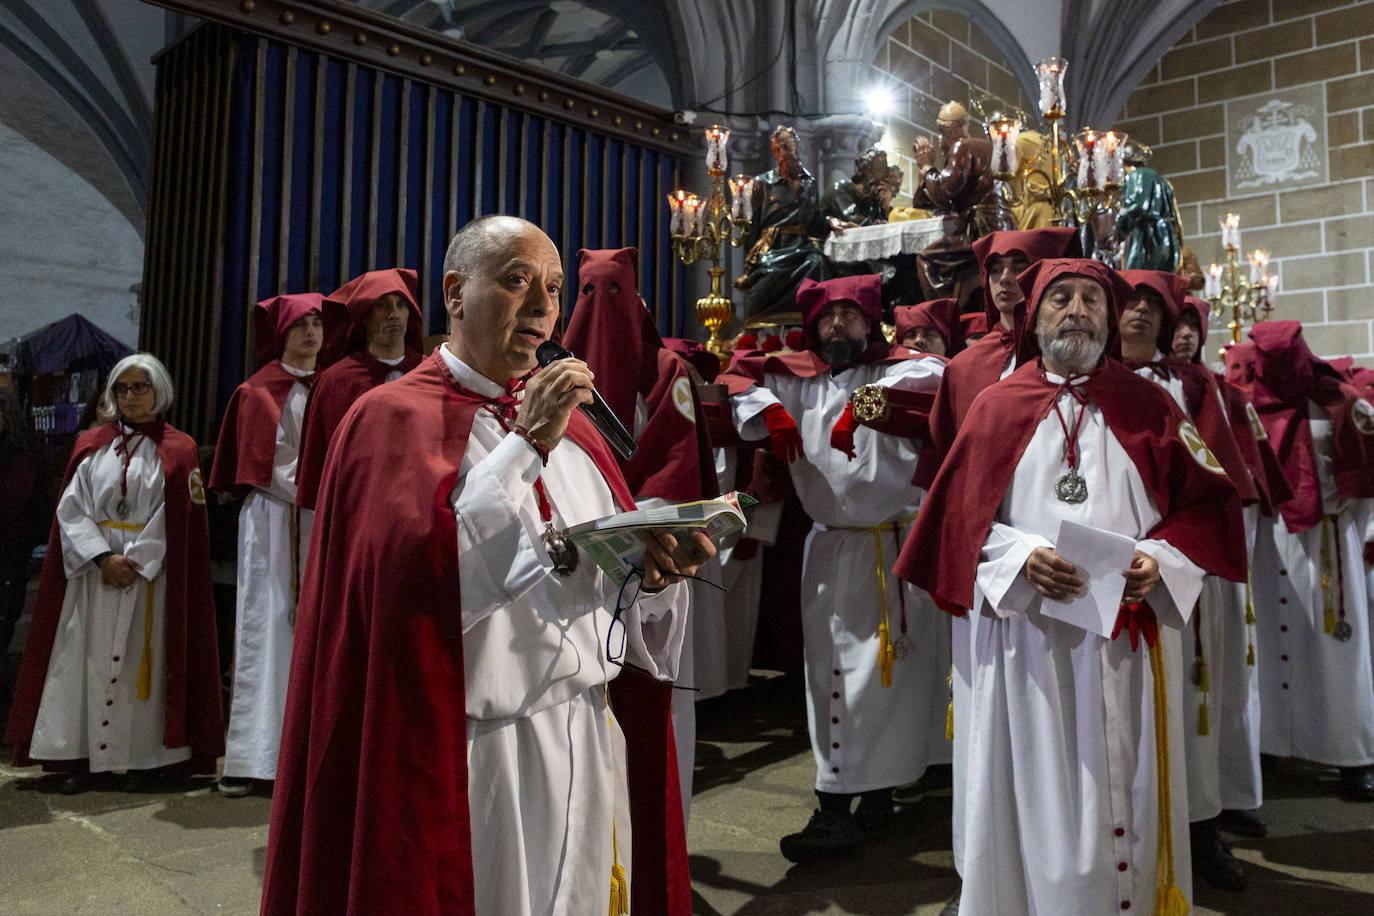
point(878, 102)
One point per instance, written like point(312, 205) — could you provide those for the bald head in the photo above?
point(503, 285)
point(480, 239)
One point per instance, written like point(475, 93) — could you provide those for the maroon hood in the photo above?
point(1031, 244)
point(272, 319)
point(611, 329)
point(940, 314)
point(1202, 309)
point(863, 290)
point(1038, 278)
point(1172, 289)
point(345, 310)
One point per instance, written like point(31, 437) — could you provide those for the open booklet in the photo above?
point(614, 543)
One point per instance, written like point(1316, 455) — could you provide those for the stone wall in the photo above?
point(929, 60)
point(1321, 237)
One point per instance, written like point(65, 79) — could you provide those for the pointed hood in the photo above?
point(1041, 275)
point(273, 318)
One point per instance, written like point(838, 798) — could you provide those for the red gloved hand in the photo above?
point(842, 434)
point(782, 429)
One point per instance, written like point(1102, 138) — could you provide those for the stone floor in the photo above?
point(186, 849)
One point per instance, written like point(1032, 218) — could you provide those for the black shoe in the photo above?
point(874, 815)
point(1242, 823)
point(235, 786)
point(1212, 861)
point(826, 834)
point(134, 781)
point(1357, 783)
point(75, 784)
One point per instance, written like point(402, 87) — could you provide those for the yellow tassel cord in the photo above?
point(1329, 614)
point(949, 713)
point(145, 662)
point(1169, 899)
point(620, 887)
point(1249, 626)
point(886, 653)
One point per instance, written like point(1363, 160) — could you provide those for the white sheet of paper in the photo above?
point(1101, 557)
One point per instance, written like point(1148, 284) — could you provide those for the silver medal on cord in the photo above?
point(1071, 487)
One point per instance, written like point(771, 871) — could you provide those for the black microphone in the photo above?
point(598, 411)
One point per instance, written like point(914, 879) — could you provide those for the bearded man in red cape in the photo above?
point(875, 654)
point(1075, 798)
point(373, 335)
point(450, 742)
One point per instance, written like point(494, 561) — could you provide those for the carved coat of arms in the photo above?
point(1277, 139)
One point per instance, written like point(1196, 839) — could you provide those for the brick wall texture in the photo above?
point(1321, 238)
point(934, 58)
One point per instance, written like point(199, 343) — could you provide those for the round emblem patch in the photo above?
point(1363, 416)
point(197, 487)
point(1255, 425)
point(682, 399)
point(1198, 449)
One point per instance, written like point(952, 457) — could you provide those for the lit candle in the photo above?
point(692, 209)
point(1258, 261)
point(716, 138)
point(1051, 77)
point(1271, 286)
point(1213, 282)
point(741, 194)
point(1230, 231)
point(677, 222)
point(1087, 156)
point(1004, 159)
point(1113, 163)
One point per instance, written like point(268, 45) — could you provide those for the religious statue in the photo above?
point(965, 194)
point(866, 196)
point(1031, 187)
point(1148, 223)
point(781, 241)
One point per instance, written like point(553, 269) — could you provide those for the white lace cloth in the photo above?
point(884, 240)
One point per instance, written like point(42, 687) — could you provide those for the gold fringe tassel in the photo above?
point(145, 661)
point(886, 653)
point(293, 526)
point(620, 887)
point(1169, 899)
point(1329, 614)
point(1204, 728)
point(949, 713)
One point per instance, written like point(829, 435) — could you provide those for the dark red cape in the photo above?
point(335, 391)
point(1253, 442)
point(1200, 508)
point(979, 365)
point(370, 808)
point(192, 712)
point(1287, 377)
point(248, 433)
point(1203, 397)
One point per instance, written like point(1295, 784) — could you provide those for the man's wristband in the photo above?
point(538, 446)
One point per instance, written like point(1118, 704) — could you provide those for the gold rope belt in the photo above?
point(886, 653)
point(145, 661)
point(293, 527)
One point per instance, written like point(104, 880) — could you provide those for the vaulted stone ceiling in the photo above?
point(78, 75)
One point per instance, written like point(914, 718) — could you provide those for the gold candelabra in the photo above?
point(1228, 291)
point(700, 228)
point(1096, 156)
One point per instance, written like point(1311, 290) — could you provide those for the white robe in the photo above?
point(1228, 685)
point(546, 759)
point(1061, 807)
point(266, 605)
point(864, 736)
point(1316, 692)
point(90, 706)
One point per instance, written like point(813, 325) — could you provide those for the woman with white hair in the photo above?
point(120, 671)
